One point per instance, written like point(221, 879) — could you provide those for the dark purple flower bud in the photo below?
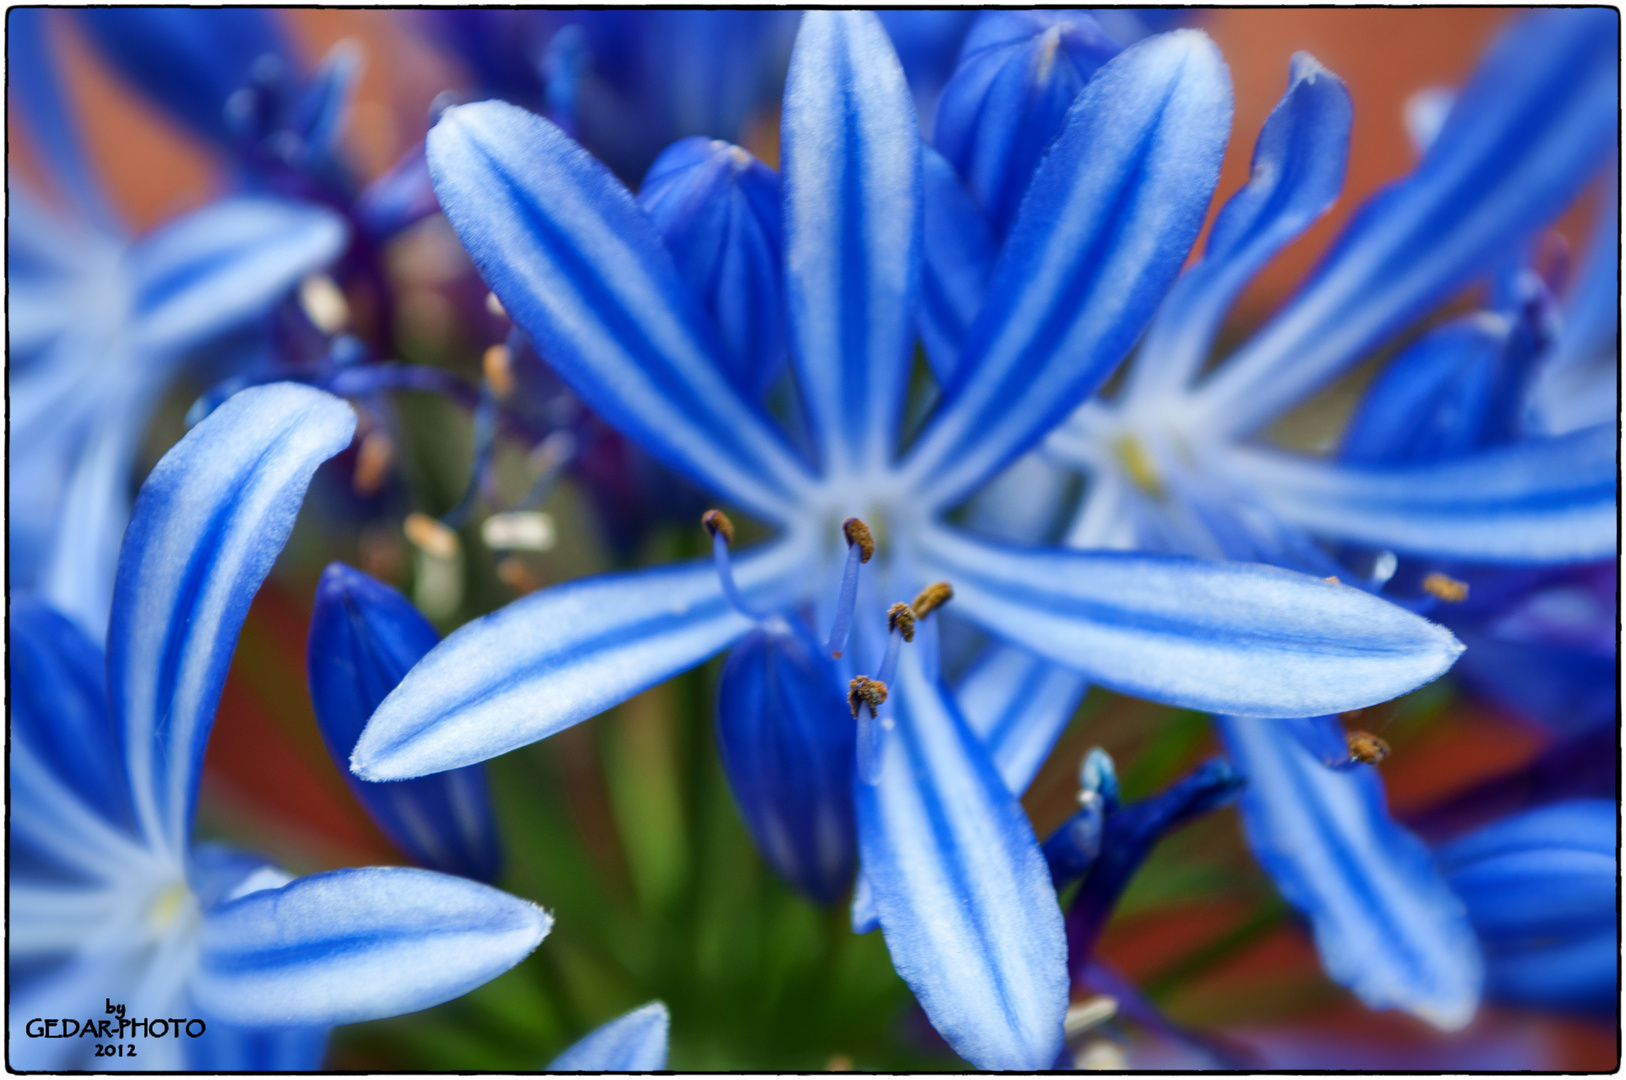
point(364, 638)
point(787, 743)
point(717, 208)
point(1018, 74)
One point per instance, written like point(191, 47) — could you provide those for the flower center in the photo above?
point(171, 903)
point(1139, 465)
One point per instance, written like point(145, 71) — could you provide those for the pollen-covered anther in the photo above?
point(901, 617)
point(1446, 588)
point(858, 533)
point(324, 304)
point(1366, 748)
point(498, 366)
point(931, 598)
point(716, 522)
point(373, 459)
point(1332, 580)
point(865, 691)
point(430, 536)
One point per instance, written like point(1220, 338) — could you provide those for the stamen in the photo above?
point(860, 549)
point(549, 461)
point(494, 306)
point(324, 305)
point(498, 365)
point(901, 618)
point(1446, 588)
point(1366, 748)
point(858, 533)
point(513, 572)
point(715, 521)
point(864, 691)
point(430, 536)
point(373, 460)
point(1089, 1014)
point(722, 534)
point(518, 530)
point(485, 444)
point(931, 598)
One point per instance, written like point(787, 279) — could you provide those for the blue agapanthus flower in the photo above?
point(950, 863)
point(1170, 466)
point(101, 322)
point(109, 899)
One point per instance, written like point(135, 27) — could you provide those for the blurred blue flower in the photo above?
point(1541, 890)
point(625, 83)
point(109, 899)
point(364, 637)
point(1168, 467)
point(101, 323)
point(949, 860)
point(635, 1042)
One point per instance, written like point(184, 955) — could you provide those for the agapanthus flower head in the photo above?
point(110, 899)
point(1170, 463)
point(950, 864)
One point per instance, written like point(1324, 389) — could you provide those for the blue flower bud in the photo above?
point(1540, 892)
point(1018, 74)
point(787, 743)
point(717, 208)
point(190, 61)
point(364, 638)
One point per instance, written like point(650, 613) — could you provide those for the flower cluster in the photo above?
point(932, 366)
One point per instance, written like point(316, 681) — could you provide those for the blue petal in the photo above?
point(1541, 891)
point(1535, 122)
point(850, 152)
point(1107, 222)
point(1019, 72)
point(635, 1042)
point(207, 526)
point(958, 256)
point(224, 1048)
point(717, 209)
point(402, 196)
point(324, 108)
point(1578, 384)
point(38, 91)
point(188, 60)
point(581, 269)
point(226, 263)
point(364, 638)
point(1019, 705)
point(1540, 500)
point(1386, 924)
point(1422, 405)
point(963, 894)
point(556, 658)
point(1223, 637)
point(787, 742)
point(1298, 170)
point(59, 703)
point(353, 945)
